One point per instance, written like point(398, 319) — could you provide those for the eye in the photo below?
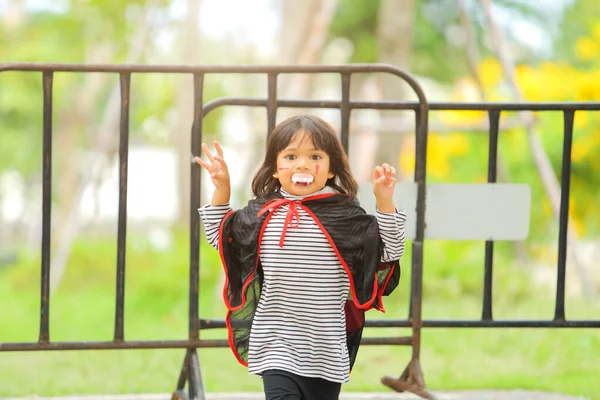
point(315, 157)
point(290, 157)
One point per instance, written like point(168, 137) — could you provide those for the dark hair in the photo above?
point(323, 137)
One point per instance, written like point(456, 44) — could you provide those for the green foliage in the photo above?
point(431, 42)
point(580, 18)
point(98, 31)
point(356, 20)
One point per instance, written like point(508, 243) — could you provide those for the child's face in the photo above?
point(302, 169)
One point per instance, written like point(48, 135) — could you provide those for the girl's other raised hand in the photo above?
point(384, 182)
point(216, 166)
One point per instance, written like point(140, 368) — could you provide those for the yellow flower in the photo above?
point(579, 227)
point(589, 86)
point(582, 118)
point(407, 156)
point(490, 72)
point(578, 224)
point(586, 48)
point(546, 206)
point(579, 151)
point(460, 117)
point(529, 79)
point(437, 157)
point(596, 32)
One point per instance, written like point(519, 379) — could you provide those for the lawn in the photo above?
point(553, 360)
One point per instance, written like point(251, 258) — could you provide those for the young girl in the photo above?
point(303, 260)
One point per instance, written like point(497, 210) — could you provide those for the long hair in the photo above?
point(323, 137)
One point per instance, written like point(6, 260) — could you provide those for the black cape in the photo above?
point(354, 236)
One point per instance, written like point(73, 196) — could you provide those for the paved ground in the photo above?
point(469, 395)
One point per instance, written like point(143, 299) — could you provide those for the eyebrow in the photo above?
point(295, 148)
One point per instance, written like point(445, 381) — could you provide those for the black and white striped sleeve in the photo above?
point(391, 229)
point(211, 218)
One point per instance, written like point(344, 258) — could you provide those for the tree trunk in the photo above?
point(396, 20)
point(305, 29)
point(185, 110)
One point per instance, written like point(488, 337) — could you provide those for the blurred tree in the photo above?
point(86, 106)
point(580, 18)
point(305, 26)
point(104, 142)
point(394, 36)
point(190, 55)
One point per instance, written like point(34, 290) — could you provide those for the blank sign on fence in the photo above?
point(487, 211)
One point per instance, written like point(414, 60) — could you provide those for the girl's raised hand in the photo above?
point(384, 182)
point(216, 166)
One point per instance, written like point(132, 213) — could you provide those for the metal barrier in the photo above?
point(412, 378)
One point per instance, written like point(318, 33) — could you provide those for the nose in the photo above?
point(301, 163)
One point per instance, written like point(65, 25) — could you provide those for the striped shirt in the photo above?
point(299, 325)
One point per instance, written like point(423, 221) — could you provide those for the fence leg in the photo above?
point(195, 386)
point(180, 393)
point(411, 380)
point(190, 373)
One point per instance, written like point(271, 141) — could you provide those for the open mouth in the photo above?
point(302, 179)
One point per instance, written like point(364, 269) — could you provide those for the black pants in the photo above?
point(283, 385)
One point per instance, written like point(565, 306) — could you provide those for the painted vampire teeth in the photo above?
point(304, 179)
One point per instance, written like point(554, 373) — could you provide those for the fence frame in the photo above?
point(411, 378)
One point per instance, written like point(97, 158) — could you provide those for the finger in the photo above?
point(201, 162)
point(219, 149)
point(380, 181)
point(391, 183)
point(209, 155)
point(222, 163)
point(220, 159)
point(377, 172)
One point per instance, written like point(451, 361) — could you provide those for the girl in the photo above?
point(303, 260)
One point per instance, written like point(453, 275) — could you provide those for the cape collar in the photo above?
point(293, 202)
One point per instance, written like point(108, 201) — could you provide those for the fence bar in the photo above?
point(345, 112)
point(416, 295)
point(484, 324)
point(125, 80)
point(47, 78)
point(394, 323)
point(195, 177)
point(112, 345)
point(395, 105)
point(494, 117)
point(559, 312)
point(205, 69)
point(511, 324)
point(271, 103)
point(383, 341)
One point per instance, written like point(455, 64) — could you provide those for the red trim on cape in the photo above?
point(369, 303)
point(244, 287)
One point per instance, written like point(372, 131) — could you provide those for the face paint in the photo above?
point(282, 169)
point(317, 168)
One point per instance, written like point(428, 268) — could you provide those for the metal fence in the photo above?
point(411, 379)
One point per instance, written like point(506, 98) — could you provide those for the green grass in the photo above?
point(553, 360)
